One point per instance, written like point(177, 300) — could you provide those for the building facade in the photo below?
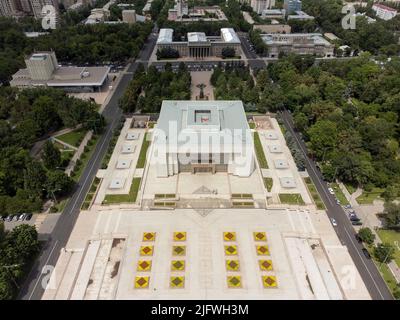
point(203, 136)
point(198, 45)
point(8, 8)
point(384, 12)
point(292, 6)
point(42, 70)
point(298, 43)
point(260, 5)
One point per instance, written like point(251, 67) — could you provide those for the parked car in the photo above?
point(347, 206)
point(22, 217)
point(366, 253)
point(358, 238)
point(28, 217)
point(331, 191)
point(354, 218)
point(15, 218)
point(356, 223)
point(337, 201)
point(334, 223)
point(9, 217)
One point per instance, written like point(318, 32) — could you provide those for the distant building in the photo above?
point(384, 12)
point(273, 14)
point(221, 135)
point(129, 16)
point(20, 8)
point(42, 70)
point(273, 28)
point(181, 12)
point(298, 43)
point(8, 8)
point(292, 6)
point(37, 7)
point(300, 15)
point(260, 5)
point(198, 45)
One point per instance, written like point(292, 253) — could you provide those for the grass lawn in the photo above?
point(314, 194)
point(120, 198)
point(384, 271)
point(60, 205)
point(268, 183)
point(393, 238)
point(339, 194)
point(291, 198)
point(85, 157)
point(368, 197)
point(351, 189)
point(73, 138)
point(260, 152)
point(151, 124)
point(252, 125)
point(143, 151)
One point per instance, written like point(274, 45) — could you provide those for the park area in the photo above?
point(392, 237)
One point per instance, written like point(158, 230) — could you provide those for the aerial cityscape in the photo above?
point(199, 150)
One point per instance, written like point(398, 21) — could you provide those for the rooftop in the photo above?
point(384, 7)
point(196, 37)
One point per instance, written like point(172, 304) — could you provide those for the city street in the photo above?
point(33, 287)
point(345, 231)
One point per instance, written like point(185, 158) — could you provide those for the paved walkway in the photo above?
point(350, 197)
point(78, 153)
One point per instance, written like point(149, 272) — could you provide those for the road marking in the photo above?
point(40, 277)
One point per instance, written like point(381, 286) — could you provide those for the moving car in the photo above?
point(334, 223)
point(366, 253)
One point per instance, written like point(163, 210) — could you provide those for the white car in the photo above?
point(334, 223)
point(331, 191)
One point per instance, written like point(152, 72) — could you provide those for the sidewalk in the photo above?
point(78, 153)
point(350, 197)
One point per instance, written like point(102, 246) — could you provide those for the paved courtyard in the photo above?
point(224, 254)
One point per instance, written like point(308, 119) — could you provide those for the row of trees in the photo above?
point(25, 117)
point(79, 44)
point(348, 112)
point(235, 83)
point(18, 248)
point(148, 89)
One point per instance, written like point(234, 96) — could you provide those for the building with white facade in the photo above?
point(298, 43)
point(203, 136)
point(198, 45)
point(384, 12)
point(260, 5)
point(42, 70)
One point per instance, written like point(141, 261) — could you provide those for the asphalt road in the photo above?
point(345, 231)
point(33, 288)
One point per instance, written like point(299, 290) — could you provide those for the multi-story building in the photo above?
point(298, 43)
point(221, 140)
point(37, 7)
point(198, 45)
point(273, 13)
point(384, 12)
point(10, 8)
point(292, 6)
point(260, 5)
point(42, 70)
